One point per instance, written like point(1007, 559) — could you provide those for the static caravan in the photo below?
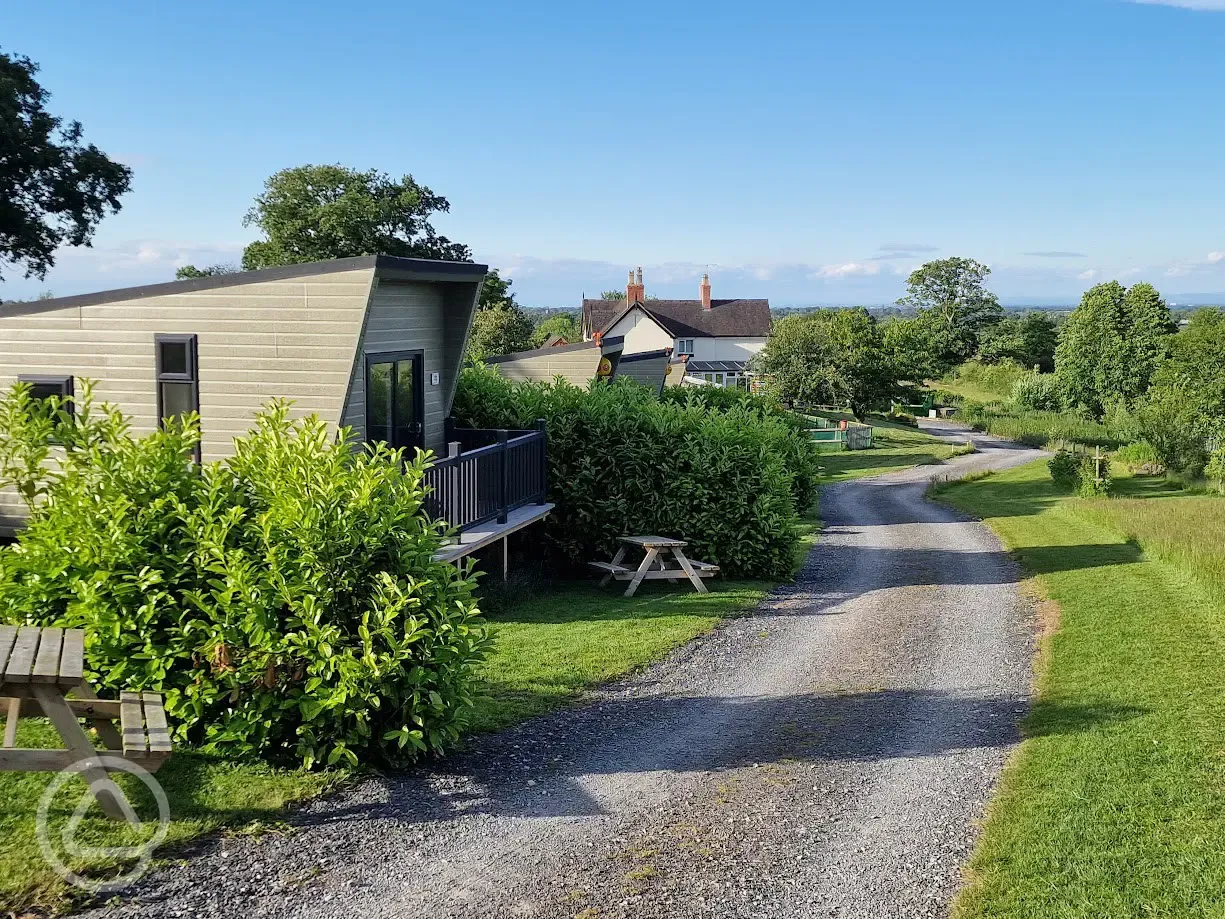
point(374, 343)
point(579, 364)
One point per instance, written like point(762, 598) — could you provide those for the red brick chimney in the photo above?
point(704, 289)
point(635, 291)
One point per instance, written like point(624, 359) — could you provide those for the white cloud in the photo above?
point(1186, 4)
point(1087, 275)
point(847, 270)
point(1215, 257)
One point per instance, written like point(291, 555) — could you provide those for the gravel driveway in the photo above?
point(827, 756)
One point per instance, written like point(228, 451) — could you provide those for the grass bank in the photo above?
point(1115, 803)
point(551, 644)
point(895, 447)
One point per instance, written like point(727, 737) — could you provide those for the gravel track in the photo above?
point(827, 756)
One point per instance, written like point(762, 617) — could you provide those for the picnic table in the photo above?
point(661, 552)
point(39, 669)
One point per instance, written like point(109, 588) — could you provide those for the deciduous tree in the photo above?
point(953, 301)
point(562, 324)
point(54, 189)
point(312, 213)
point(499, 330)
point(830, 357)
point(1111, 345)
point(189, 272)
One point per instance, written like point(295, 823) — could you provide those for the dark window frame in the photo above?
point(192, 375)
point(66, 384)
point(395, 358)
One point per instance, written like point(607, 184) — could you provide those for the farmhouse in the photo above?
point(717, 338)
point(374, 343)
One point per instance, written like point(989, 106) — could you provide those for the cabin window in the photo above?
point(684, 346)
point(48, 387)
point(178, 380)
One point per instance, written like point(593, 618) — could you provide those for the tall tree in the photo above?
point(953, 301)
point(312, 213)
point(499, 330)
point(495, 291)
point(612, 295)
point(1029, 340)
point(54, 190)
point(189, 272)
point(1111, 345)
point(829, 357)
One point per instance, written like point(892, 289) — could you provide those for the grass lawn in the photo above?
point(205, 794)
point(972, 390)
point(550, 645)
point(895, 447)
point(1115, 803)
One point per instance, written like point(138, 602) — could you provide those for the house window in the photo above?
point(684, 346)
point(45, 387)
point(178, 380)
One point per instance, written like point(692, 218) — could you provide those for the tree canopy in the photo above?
point(562, 324)
point(311, 213)
point(955, 309)
point(830, 357)
point(1029, 340)
point(498, 330)
point(1111, 345)
point(495, 291)
point(54, 189)
point(188, 272)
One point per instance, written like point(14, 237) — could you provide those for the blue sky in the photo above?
point(810, 152)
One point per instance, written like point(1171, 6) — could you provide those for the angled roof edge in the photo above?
point(645, 356)
point(608, 344)
point(636, 305)
point(390, 266)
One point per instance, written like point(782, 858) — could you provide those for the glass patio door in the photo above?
point(395, 405)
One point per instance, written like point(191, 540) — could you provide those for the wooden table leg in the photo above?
point(109, 796)
point(697, 581)
point(616, 561)
point(104, 726)
point(642, 570)
point(10, 723)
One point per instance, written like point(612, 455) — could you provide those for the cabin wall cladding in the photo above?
point(406, 316)
point(292, 339)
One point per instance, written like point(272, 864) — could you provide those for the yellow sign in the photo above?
point(605, 368)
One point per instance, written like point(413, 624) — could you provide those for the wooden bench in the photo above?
point(39, 668)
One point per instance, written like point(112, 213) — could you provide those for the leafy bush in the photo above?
point(1079, 472)
point(1065, 469)
point(623, 461)
point(796, 448)
point(1037, 392)
point(285, 600)
point(997, 378)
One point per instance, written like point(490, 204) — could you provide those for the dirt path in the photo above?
point(827, 756)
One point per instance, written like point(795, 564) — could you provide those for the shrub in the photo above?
point(285, 600)
point(997, 378)
point(791, 440)
point(623, 461)
point(1037, 392)
point(1065, 469)
point(1037, 429)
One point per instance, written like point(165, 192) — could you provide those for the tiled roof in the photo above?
point(687, 318)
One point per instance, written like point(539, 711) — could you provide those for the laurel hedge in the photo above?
point(285, 600)
point(623, 461)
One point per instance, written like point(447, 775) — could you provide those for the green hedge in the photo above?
point(285, 600)
point(621, 461)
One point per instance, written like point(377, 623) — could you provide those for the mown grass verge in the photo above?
point(551, 644)
point(1115, 803)
point(894, 447)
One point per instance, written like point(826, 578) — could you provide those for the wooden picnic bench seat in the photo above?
point(39, 668)
point(610, 568)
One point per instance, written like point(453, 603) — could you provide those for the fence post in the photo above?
point(543, 427)
point(448, 428)
point(504, 477)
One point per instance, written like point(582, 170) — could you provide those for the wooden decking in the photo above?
point(487, 533)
